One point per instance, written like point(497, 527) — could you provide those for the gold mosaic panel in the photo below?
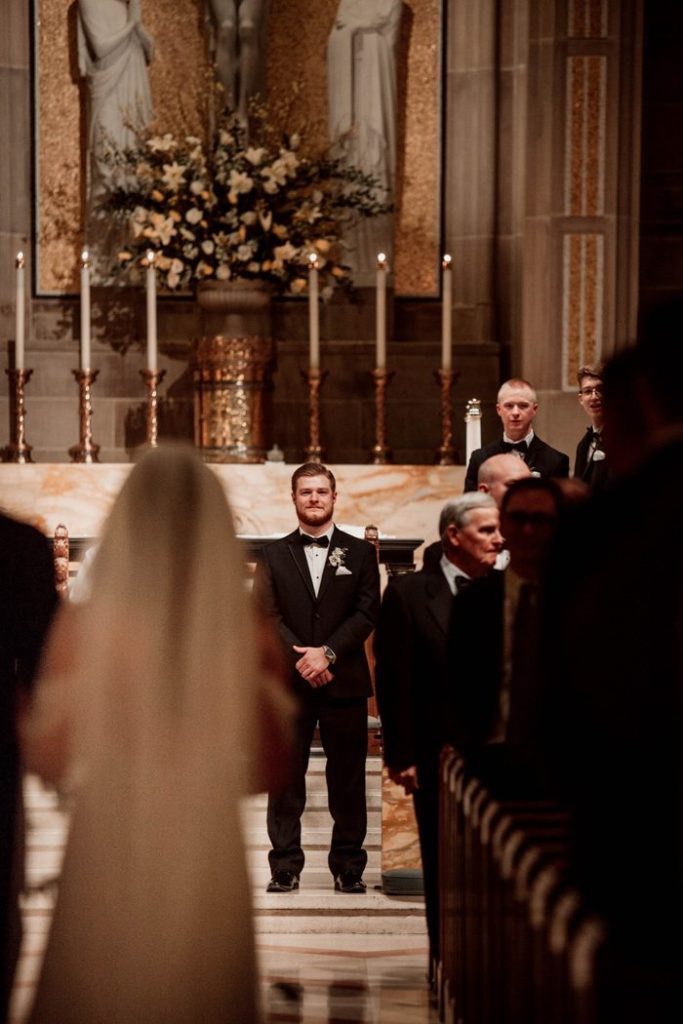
point(583, 289)
point(297, 40)
point(585, 136)
point(587, 19)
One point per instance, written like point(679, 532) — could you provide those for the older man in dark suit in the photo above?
point(320, 588)
point(27, 601)
point(517, 406)
point(411, 677)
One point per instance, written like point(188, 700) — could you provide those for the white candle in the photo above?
point(151, 284)
point(381, 312)
point(20, 314)
point(85, 310)
point(446, 314)
point(313, 313)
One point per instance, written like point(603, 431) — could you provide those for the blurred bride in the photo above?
point(160, 697)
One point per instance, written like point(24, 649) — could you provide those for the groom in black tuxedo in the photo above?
point(517, 406)
point(320, 588)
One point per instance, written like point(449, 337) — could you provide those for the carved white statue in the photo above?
point(361, 71)
point(113, 53)
point(240, 38)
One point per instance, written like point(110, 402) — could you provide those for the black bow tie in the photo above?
point(461, 582)
point(515, 446)
point(321, 542)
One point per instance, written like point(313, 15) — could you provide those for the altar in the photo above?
point(401, 501)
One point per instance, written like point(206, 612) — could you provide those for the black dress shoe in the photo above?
point(350, 882)
point(283, 881)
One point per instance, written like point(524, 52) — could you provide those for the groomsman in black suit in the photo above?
point(517, 406)
point(320, 587)
point(590, 464)
point(27, 601)
point(411, 669)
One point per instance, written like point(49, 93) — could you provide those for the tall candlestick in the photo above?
point(151, 284)
point(20, 314)
point(446, 314)
point(313, 313)
point(85, 310)
point(381, 312)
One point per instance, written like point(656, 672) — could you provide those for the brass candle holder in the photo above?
point(380, 452)
point(17, 450)
point(152, 379)
point(445, 453)
point(314, 377)
point(86, 450)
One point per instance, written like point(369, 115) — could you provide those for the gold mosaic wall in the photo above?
point(297, 42)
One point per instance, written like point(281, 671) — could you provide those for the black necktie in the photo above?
point(516, 446)
point(321, 542)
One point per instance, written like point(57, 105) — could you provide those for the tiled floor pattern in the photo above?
point(324, 956)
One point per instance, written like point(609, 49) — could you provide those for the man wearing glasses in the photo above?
point(590, 464)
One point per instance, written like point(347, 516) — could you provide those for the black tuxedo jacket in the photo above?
point(475, 645)
point(540, 458)
point(594, 473)
point(342, 616)
point(27, 601)
point(410, 667)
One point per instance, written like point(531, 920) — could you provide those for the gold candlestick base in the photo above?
point(152, 379)
point(314, 378)
point(380, 453)
point(17, 450)
point(86, 450)
point(445, 453)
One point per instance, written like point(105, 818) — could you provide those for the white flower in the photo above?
point(173, 175)
point(338, 557)
point(240, 182)
point(253, 267)
point(173, 276)
point(208, 246)
point(223, 272)
point(161, 144)
point(285, 252)
point(245, 251)
point(255, 155)
point(162, 228)
point(193, 215)
point(197, 187)
point(266, 218)
point(249, 217)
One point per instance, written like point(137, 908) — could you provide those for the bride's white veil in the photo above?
point(153, 919)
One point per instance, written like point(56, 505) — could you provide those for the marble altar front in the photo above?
point(402, 501)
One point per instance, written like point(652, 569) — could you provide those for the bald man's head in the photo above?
point(497, 473)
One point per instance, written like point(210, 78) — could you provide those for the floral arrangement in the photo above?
point(338, 557)
point(248, 205)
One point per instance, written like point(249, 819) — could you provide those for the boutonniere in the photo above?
point(338, 557)
point(599, 455)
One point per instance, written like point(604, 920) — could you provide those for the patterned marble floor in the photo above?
point(373, 979)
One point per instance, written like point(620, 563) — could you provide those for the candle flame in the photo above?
point(381, 260)
point(313, 260)
point(447, 260)
point(85, 259)
point(150, 256)
point(20, 260)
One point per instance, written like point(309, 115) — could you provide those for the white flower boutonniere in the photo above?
point(338, 557)
point(598, 455)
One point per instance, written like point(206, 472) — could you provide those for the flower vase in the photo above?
point(231, 368)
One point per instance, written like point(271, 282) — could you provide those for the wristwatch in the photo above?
point(329, 654)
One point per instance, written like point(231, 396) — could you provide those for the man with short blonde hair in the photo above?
point(517, 406)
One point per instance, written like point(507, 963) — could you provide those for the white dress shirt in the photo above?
point(316, 557)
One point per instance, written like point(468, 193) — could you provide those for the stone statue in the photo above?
point(240, 34)
point(361, 71)
point(113, 53)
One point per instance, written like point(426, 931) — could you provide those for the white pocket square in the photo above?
point(343, 571)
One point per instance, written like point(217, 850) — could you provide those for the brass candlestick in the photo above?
point(17, 450)
point(445, 453)
point(86, 450)
point(314, 377)
point(380, 452)
point(152, 379)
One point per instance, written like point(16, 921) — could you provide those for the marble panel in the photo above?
point(400, 841)
point(403, 501)
point(14, 38)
